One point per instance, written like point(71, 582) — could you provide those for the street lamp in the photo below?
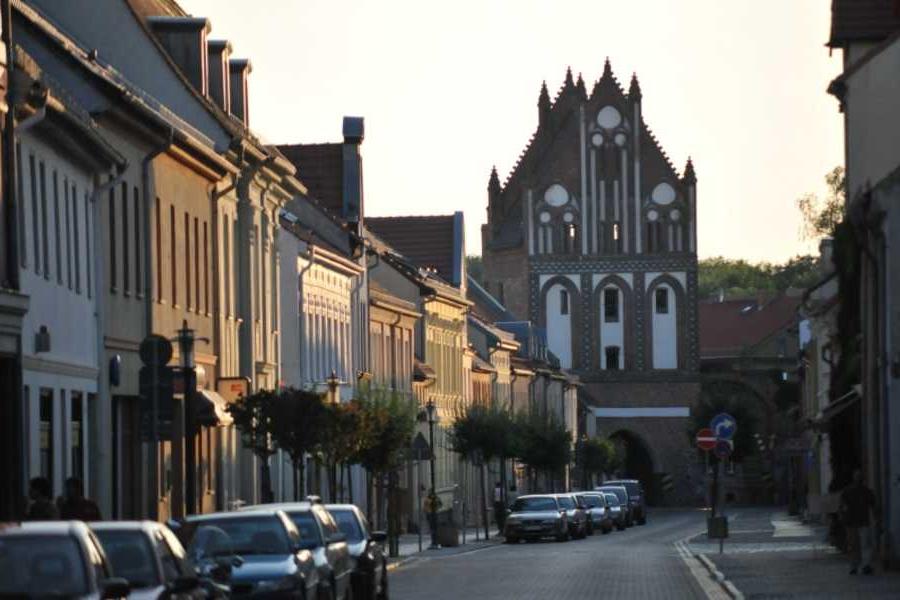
point(432, 495)
point(333, 381)
point(186, 340)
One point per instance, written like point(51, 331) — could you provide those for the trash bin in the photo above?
point(447, 529)
point(717, 528)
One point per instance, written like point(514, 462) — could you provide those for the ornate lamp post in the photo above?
point(186, 340)
point(432, 501)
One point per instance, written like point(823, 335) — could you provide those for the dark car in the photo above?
point(616, 512)
point(575, 513)
point(370, 574)
point(320, 535)
point(597, 512)
point(56, 559)
point(622, 494)
point(536, 516)
point(636, 498)
point(274, 562)
point(149, 557)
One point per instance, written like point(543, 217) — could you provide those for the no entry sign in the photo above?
point(706, 439)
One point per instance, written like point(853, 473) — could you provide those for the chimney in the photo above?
point(184, 39)
point(354, 131)
point(219, 51)
point(238, 73)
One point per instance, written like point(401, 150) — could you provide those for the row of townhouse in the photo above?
point(138, 201)
point(851, 363)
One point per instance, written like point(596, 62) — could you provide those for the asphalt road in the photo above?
point(640, 562)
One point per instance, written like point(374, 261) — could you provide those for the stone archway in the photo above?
point(639, 463)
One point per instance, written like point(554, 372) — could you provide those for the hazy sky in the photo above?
point(450, 88)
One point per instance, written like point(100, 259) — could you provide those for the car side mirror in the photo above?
point(115, 587)
point(378, 536)
point(183, 585)
point(336, 538)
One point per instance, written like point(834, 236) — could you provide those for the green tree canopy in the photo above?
point(738, 277)
point(543, 443)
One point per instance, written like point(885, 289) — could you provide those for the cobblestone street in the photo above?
point(641, 562)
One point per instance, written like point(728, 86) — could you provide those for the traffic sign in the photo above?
point(723, 425)
point(706, 439)
point(420, 448)
point(724, 448)
point(155, 350)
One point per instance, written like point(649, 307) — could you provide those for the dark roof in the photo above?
point(863, 20)
point(153, 8)
point(728, 328)
point(485, 306)
point(321, 168)
point(427, 241)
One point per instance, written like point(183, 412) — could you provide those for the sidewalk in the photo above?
point(409, 546)
point(771, 555)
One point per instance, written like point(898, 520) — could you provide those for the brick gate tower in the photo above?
point(593, 236)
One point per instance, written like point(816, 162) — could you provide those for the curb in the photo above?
point(716, 574)
point(424, 555)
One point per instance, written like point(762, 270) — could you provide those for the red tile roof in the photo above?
point(427, 241)
point(727, 328)
point(863, 20)
point(321, 168)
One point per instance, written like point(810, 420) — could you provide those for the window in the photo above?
point(611, 305)
point(172, 256)
point(226, 240)
point(170, 567)
point(44, 237)
point(196, 264)
point(112, 239)
point(662, 301)
point(88, 234)
point(46, 433)
point(77, 435)
point(187, 261)
point(563, 302)
point(571, 234)
point(612, 358)
point(57, 222)
point(21, 205)
point(68, 231)
point(206, 267)
point(126, 264)
point(32, 171)
point(138, 285)
point(77, 239)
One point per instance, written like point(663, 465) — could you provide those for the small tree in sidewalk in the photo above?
point(543, 444)
point(252, 415)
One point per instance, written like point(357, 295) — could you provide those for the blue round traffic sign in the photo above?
point(724, 426)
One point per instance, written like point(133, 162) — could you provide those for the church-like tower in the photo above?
point(593, 236)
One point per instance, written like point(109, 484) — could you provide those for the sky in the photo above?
point(449, 89)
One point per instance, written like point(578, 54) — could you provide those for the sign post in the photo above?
point(723, 427)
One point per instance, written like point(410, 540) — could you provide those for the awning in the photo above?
point(210, 409)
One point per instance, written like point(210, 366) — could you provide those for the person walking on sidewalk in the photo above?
point(857, 509)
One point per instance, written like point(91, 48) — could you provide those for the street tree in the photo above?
point(542, 443)
point(594, 456)
point(252, 415)
point(820, 216)
point(298, 427)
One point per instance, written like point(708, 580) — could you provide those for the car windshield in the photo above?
point(540, 503)
point(41, 566)
point(620, 494)
point(310, 536)
point(633, 487)
point(348, 524)
point(611, 499)
point(131, 556)
point(592, 501)
point(251, 535)
point(566, 502)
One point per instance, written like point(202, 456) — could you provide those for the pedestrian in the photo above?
point(41, 507)
point(74, 506)
point(858, 506)
point(499, 506)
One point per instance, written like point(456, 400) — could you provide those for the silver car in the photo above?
point(56, 559)
point(616, 512)
point(536, 516)
point(597, 512)
point(149, 557)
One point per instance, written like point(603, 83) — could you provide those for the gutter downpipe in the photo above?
point(150, 199)
point(104, 463)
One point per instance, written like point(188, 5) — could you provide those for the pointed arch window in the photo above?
point(611, 305)
point(563, 302)
point(662, 300)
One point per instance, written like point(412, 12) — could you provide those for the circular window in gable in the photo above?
point(556, 195)
point(663, 194)
point(609, 117)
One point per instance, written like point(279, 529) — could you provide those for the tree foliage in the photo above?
point(252, 416)
point(740, 278)
point(821, 216)
point(727, 397)
point(542, 442)
point(596, 455)
point(484, 430)
point(384, 425)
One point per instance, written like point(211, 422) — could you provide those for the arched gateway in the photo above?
point(593, 236)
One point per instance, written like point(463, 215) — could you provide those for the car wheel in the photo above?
point(563, 537)
point(642, 521)
point(590, 528)
point(605, 530)
point(511, 540)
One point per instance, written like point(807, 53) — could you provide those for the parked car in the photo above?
point(536, 516)
point(616, 513)
point(56, 559)
point(597, 512)
point(622, 494)
point(320, 535)
point(274, 563)
point(370, 573)
point(637, 500)
point(150, 558)
point(576, 516)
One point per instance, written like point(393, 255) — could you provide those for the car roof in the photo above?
point(283, 506)
point(44, 528)
point(536, 496)
point(352, 507)
point(239, 514)
point(146, 526)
